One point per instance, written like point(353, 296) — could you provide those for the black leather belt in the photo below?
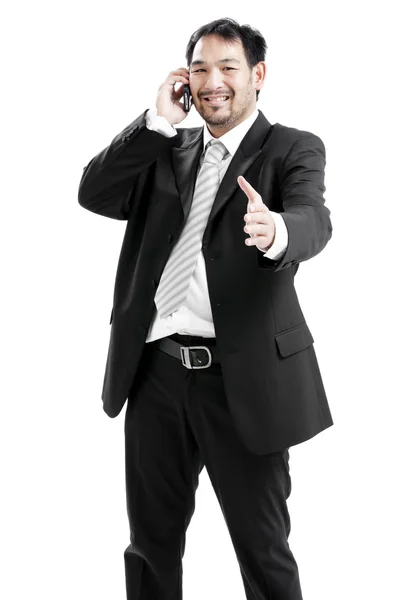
point(192, 357)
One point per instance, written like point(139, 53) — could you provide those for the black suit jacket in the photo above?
point(273, 383)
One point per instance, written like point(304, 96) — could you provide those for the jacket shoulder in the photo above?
point(289, 136)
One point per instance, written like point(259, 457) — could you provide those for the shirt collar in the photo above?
point(232, 138)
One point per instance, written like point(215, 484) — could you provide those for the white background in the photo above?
point(74, 75)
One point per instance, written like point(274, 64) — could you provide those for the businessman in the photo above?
point(209, 345)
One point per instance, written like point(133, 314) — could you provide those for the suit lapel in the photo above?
point(248, 151)
point(186, 159)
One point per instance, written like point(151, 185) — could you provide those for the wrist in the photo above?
point(160, 113)
point(273, 239)
point(159, 123)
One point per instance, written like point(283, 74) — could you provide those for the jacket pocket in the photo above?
point(294, 339)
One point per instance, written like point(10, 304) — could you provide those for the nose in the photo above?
point(214, 80)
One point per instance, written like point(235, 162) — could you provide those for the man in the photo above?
point(208, 340)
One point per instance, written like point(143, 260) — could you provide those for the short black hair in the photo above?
point(254, 44)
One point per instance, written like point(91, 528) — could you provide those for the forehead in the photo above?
point(212, 48)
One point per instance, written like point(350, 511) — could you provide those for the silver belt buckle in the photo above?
point(185, 356)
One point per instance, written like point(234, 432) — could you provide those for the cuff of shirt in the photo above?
point(154, 122)
point(281, 238)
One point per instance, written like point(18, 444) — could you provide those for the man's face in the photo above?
point(222, 85)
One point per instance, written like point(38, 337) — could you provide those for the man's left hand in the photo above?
point(259, 221)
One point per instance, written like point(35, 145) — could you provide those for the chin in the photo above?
point(216, 117)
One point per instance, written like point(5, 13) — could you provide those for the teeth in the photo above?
point(218, 98)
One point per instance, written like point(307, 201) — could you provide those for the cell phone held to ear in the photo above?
point(187, 98)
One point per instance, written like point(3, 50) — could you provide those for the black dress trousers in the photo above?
point(176, 422)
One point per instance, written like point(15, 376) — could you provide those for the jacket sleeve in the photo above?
point(306, 217)
point(107, 186)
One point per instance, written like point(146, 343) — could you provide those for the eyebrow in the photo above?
point(224, 60)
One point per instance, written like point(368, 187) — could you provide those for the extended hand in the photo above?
point(259, 221)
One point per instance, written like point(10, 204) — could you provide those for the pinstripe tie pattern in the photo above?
point(175, 281)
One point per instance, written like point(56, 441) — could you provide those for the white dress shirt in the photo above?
point(195, 316)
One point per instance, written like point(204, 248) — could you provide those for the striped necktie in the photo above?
point(175, 281)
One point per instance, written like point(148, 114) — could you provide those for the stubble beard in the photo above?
point(233, 116)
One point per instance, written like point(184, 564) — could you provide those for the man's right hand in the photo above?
point(168, 104)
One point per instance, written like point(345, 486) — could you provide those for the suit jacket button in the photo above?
point(170, 238)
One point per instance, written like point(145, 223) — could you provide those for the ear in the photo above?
point(259, 74)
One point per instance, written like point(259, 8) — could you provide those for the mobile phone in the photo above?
point(187, 98)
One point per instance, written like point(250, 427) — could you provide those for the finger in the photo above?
point(257, 229)
point(173, 79)
point(181, 71)
point(179, 92)
point(259, 240)
point(258, 216)
point(248, 189)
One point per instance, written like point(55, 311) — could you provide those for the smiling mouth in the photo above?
point(215, 100)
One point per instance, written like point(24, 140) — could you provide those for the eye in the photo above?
point(230, 68)
point(198, 70)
